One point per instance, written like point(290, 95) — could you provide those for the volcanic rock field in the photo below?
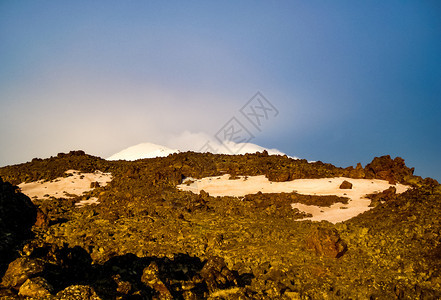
point(206, 226)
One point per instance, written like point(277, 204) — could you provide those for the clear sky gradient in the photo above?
point(351, 80)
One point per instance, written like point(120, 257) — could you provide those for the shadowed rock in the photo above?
point(217, 275)
point(21, 270)
point(17, 215)
point(150, 277)
point(36, 287)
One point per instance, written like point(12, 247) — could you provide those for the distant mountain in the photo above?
point(150, 150)
point(144, 150)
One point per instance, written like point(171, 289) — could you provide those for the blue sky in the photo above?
point(350, 80)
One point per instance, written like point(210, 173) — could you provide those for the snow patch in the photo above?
point(76, 184)
point(338, 212)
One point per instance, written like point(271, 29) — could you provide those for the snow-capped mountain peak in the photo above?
point(150, 150)
point(143, 150)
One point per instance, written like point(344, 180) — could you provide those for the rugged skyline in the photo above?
point(350, 81)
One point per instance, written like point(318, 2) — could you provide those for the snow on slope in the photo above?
point(243, 148)
point(144, 150)
point(150, 150)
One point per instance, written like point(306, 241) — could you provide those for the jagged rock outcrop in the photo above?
point(386, 168)
point(358, 172)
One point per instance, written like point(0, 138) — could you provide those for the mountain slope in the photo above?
point(144, 238)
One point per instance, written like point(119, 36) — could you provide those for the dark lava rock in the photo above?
point(71, 153)
point(36, 287)
point(385, 196)
point(17, 215)
point(144, 218)
point(78, 292)
point(150, 277)
point(326, 242)
point(346, 185)
point(42, 219)
point(279, 176)
point(386, 168)
point(217, 275)
point(21, 270)
point(94, 184)
point(64, 265)
point(7, 294)
point(123, 287)
point(358, 172)
point(53, 167)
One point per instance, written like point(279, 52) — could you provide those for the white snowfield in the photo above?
point(76, 184)
point(338, 212)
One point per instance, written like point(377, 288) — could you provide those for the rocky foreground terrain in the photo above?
point(146, 239)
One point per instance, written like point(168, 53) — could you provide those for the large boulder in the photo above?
point(346, 185)
point(17, 215)
point(21, 270)
point(36, 287)
point(279, 176)
point(326, 242)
